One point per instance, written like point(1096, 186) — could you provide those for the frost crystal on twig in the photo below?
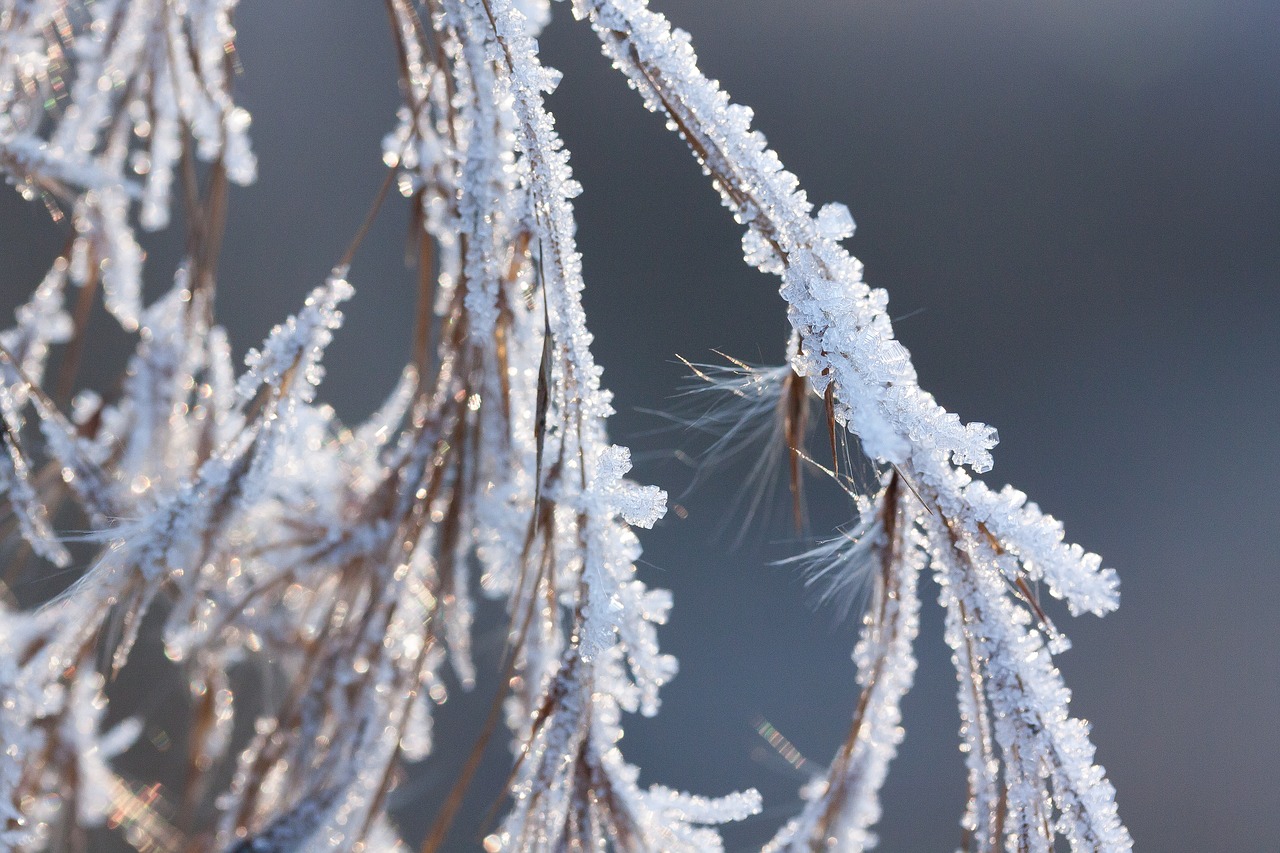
point(342, 561)
point(845, 346)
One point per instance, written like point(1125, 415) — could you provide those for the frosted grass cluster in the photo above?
point(345, 559)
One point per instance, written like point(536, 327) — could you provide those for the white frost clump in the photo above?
point(337, 562)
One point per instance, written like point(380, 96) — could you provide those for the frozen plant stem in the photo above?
point(341, 558)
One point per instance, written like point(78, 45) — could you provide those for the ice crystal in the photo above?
point(339, 558)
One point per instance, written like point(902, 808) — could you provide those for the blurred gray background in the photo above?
point(1075, 207)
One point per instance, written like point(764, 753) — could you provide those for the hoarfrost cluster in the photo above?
point(260, 528)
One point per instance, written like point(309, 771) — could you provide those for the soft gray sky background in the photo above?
point(1075, 207)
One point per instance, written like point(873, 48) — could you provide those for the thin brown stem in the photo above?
point(367, 223)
